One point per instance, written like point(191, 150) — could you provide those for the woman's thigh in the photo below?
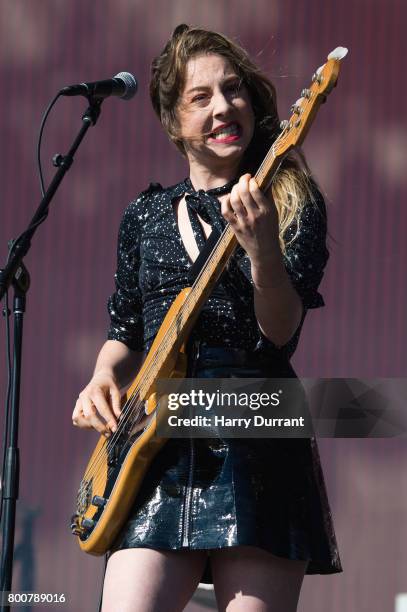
point(250, 579)
point(147, 580)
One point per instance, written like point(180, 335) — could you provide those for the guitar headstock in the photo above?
point(305, 108)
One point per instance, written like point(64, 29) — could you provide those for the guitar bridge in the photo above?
point(84, 497)
point(76, 529)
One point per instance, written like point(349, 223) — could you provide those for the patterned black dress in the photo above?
point(214, 493)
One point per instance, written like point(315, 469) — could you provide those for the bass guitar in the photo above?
point(118, 464)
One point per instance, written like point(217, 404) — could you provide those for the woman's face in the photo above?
point(215, 114)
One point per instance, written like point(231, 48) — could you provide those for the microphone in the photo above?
point(123, 85)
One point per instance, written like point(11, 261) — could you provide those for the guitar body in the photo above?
point(115, 472)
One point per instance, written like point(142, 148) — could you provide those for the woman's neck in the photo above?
point(205, 178)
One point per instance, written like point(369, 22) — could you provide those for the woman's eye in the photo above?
point(198, 98)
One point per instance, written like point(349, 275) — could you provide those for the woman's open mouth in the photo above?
point(229, 133)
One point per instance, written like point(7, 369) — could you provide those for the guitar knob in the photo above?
point(99, 501)
point(88, 523)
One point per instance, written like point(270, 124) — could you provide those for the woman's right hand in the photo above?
point(99, 404)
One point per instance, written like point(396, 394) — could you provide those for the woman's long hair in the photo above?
point(292, 186)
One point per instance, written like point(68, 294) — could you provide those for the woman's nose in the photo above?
point(221, 104)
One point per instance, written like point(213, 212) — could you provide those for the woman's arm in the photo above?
point(277, 305)
point(254, 220)
point(99, 403)
point(118, 361)
point(120, 358)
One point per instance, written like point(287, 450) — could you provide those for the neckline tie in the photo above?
point(207, 206)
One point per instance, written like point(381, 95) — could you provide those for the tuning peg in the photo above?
point(284, 124)
point(317, 76)
point(338, 53)
point(297, 106)
point(306, 93)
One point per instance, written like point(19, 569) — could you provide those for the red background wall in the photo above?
point(357, 151)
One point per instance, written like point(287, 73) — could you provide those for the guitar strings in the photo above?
point(134, 402)
point(134, 405)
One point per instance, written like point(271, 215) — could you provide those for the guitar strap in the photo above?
point(203, 255)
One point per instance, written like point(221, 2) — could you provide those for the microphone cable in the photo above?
point(44, 119)
point(6, 311)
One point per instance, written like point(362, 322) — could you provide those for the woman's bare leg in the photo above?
point(147, 580)
point(250, 579)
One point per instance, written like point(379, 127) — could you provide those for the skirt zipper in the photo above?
point(188, 496)
point(193, 358)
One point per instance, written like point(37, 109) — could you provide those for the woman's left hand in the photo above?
point(253, 218)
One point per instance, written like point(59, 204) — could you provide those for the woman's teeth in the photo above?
point(231, 130)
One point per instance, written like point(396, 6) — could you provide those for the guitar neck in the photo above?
point(180, 327)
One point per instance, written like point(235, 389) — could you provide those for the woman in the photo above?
point(250, 515)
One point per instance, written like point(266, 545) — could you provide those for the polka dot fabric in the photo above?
point(153, 267)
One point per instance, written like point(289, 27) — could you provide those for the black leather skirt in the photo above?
point(211, 493)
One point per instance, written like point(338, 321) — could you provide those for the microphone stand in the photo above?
point(16, 274)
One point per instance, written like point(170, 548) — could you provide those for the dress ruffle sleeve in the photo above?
point(305, 260)
point(125, 305)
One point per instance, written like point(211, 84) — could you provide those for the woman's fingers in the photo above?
point(98, 406)
point(116, 400)
point(91, 414)
point(78, 418)
point(246, 188)
point(100, 402)
point(236, 203)
point(245, 203)
point(229, 214)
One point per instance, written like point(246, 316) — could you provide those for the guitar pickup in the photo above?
point(113, 455)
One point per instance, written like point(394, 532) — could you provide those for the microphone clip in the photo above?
point(91, 115)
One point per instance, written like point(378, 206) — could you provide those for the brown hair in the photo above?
point(291, 186)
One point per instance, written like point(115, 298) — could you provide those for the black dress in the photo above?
point(214, 493)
